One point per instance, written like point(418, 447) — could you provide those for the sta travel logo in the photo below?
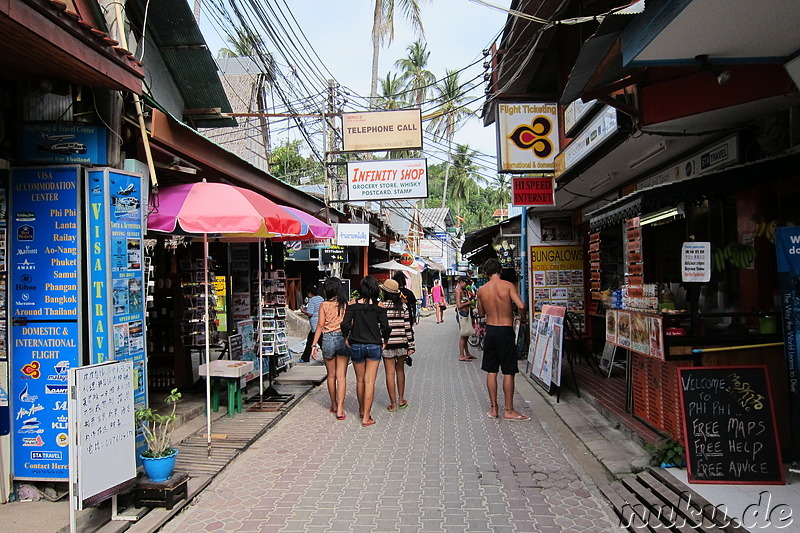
point(534, 137)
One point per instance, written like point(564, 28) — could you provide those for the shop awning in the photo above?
point(393, 265)
point(433, 265)
point(710, 183)
point(175, 138)
point(477, 244)
point(40, 38)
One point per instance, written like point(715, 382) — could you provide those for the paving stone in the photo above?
point(441, 465)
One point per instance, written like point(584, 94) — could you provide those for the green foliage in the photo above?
point(666, 451)
point(289, 165)
point(157, 429)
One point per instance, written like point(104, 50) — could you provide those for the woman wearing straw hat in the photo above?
point(399, 346)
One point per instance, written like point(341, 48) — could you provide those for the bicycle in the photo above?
point(476, 339)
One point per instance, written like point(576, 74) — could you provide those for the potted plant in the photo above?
point(667, 452)
point(158, 459)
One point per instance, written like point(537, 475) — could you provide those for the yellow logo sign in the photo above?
point(534, 137)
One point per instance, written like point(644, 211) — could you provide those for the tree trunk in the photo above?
point(376, 45)
point(446, 171)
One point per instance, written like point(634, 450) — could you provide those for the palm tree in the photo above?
point(383, 29)
point(450, 96)
point(465, 175)
point(244, 42)
point(391, 88)
point(501, 192)
point(414, 73)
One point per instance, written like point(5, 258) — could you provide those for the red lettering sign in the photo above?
point(533, 191)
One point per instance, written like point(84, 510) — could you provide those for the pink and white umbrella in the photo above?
point(205, 207)
point(313, 228)
point(218, 208)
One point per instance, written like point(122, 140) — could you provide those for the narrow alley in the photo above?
point(440, 465)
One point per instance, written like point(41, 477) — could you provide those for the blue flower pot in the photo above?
point(160, 468)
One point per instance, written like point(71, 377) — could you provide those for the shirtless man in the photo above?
point(499, 345)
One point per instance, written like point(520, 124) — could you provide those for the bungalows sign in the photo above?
point(387, 179)
point(382, 130)
point(533, 191)
point(527, 136)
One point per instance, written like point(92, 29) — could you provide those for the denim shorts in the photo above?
point(359, 353)
point(333, 345)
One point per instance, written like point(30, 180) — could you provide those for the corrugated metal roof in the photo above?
point(434, 217)
point(173, 28)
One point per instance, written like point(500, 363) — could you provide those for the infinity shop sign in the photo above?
point(391, 179)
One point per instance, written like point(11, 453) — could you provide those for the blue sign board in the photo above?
point(62, 143)
point(787, 246)
point(45, 325)
point(116, 276)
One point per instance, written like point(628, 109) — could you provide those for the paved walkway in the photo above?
point(440, 465)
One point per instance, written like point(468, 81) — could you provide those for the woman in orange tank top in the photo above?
point(334, 350)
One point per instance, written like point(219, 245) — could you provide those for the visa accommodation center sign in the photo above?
point(49, 211)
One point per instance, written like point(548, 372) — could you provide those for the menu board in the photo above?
point(594, 267)
point(43, 306)
point(102, 454)
point(557, 275)
point(635, 331)
point(116, 276)
point(633, 257)
point(729, 423)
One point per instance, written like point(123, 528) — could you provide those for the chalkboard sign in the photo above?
point(236, 347)
point(102, 458)
point(729, 423)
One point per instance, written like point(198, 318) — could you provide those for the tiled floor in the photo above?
point(608, 395)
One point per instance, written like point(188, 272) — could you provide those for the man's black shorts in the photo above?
point(499, 350)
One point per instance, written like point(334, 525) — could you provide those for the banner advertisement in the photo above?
point(334, 254)
point(533, 191)
point(787, 247)
point(602, 128)
point(45, 324)
point(431, 248)
point(352, 234)
point(557, 277)
point(115, 230)
point(639, 332)
point(387, 179)
point(62, 143)
point(547, 346)
point(527, 136)
point(696, 262)
point(382, 130)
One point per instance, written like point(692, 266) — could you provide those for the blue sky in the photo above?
point(456, 32)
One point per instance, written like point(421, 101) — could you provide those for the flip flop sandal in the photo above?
point(403, 405)
point(391, 410)
point(344, 415)
point(367, 424)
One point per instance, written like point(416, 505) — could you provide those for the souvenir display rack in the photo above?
point(272, 325)
point(175, 310)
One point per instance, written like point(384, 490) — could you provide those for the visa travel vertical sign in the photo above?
point(787, 246)
point(45, 323)
point(116, 277)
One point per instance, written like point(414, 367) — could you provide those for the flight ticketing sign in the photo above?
point(45, 331)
